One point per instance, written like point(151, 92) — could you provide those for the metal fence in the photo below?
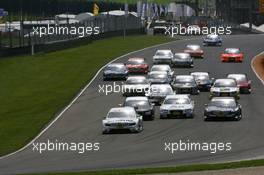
point(23, 34)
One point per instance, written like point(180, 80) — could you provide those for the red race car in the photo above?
point(242, 81)
point(232, 55)
point(137, 65)
point(194, 51)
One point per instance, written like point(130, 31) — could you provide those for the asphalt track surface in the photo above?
point(82, 123)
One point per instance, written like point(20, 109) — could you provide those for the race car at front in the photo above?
point(225, 88)
point(142, 106)
point(194, 50)
point(115, 71)
point(212, 40)
point(203, 80)
point(122, 118)
point(232, 55)
point(242, 81)
point(182, 60)
point(163, 57)
point(223, 108)
point(137, 65)
point(158, 92)
point(135, 86)
point(185, 84)
point(177, 106)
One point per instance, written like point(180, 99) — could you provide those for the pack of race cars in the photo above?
point(146, 88)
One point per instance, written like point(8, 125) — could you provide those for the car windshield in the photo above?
point(184, 80)
point(137, 103)
point(181, 56)
point(223, 103)
point(201, 77)
point(157, 76)
point(160, 68)
point(193, 47)
point(136, 62)
point(121, 114)
point(177, 101)
point(239, 79)
point(232, 51)
point(225, 84)
point(137, 81)
point(115, 68)
point(212, 37)
point(161, 89)
point(161, 53)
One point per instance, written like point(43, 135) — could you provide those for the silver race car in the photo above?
point(225, 88)
point(177, 106)
point(159, 77)
point(185, 84)
point(142, 106)
point(122, 118)
point(136, 86)
point(115, 71)
point(163, 57)
point(223, 108)
point(164, 68)
point(203, 80)
point(182, 60)
point(158, 92)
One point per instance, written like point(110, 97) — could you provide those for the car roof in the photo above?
point(116, 64)
point(158, 72)
point(160, 85)
point(237, 75)
point(224, 80)
point(165, 50)
point(136, 58)
point(231, 49)
point(184, 76)
point(199, 73)
point(136, 77)
point(223, 98)
point(177, 96)
point(121, 109)
point(161, 65)
point(181, 54)
point(136, 98)
point(193, 45)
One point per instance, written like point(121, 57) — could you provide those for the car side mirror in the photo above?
point(205, 105)
point(136, 107)
point(120, 105)
point(250, 81)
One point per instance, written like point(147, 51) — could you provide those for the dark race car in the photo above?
point(142, 106)
point(115, 71)
point(223, 108)
point(212, 40)
point(203, 80)
point(185, 84)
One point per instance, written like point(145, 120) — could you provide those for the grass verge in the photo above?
point(34, 88)
point(179, 169)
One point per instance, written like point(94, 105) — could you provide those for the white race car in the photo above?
point(177, 106)
point(122, 118)
point(163, 57)
point(225, 88)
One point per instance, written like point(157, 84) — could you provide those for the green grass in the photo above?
point(34, 88)
point(185, 168)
